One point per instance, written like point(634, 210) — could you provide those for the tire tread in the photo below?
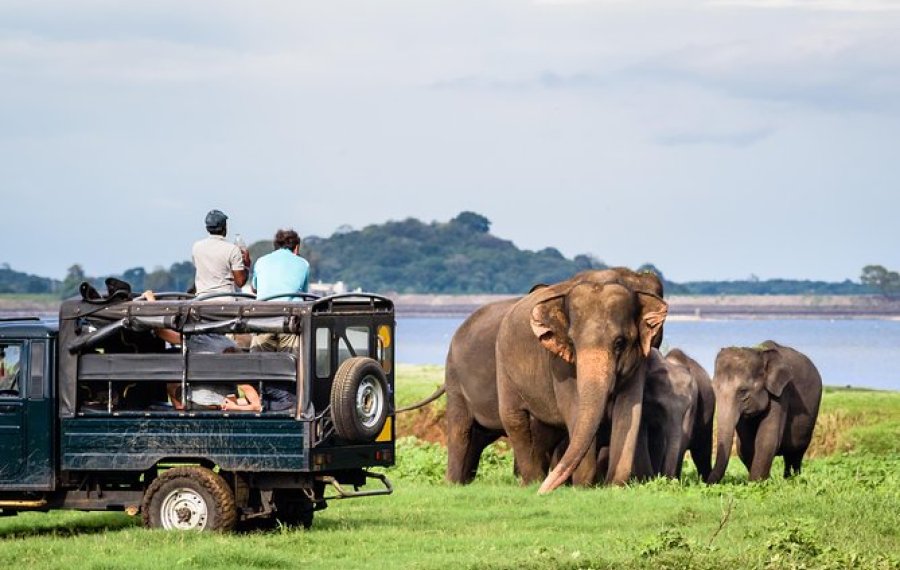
point(224, 505)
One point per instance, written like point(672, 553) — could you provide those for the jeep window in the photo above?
point(354, 342)
point(36, 371)
point(10, 368)
point(323, 352)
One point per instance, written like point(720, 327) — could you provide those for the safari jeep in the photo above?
point(87, 422)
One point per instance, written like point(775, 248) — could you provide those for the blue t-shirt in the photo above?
point(280, 272)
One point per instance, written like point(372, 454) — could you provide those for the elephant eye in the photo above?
point(619, 344)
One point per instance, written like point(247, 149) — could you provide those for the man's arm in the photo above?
point(241, 275)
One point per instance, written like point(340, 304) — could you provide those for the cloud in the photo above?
point(830, 70)
point(735, 139)
point(814, 5)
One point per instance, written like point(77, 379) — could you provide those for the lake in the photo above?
point(846, 351)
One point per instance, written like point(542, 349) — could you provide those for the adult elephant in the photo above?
point(470, 381)
point(769, 396)
point(473, 419)
point(678, 415)
point(565, 353)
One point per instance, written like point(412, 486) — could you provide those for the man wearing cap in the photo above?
point(221, 266)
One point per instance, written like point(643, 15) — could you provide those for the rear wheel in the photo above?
point(189, 498)
point(359, 400)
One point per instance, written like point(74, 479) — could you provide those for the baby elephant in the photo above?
point(769, 396)
point(677, 416)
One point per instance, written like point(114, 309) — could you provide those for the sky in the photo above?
point(716, 139)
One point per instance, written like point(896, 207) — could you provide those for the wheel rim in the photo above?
point(184, 509)
point(369, 402)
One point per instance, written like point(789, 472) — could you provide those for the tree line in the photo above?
point(454, 257)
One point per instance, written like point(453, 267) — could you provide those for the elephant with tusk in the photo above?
point(564, 354)
point(473, 409)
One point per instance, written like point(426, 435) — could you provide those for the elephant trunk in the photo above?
point(727, 417)
point(595, 375)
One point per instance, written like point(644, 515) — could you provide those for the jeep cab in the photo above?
point(87, 419)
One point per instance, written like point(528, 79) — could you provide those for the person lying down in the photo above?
point(243, 397)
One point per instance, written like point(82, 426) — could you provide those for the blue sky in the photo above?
point(716, 139)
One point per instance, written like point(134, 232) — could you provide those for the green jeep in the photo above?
point(87, 421)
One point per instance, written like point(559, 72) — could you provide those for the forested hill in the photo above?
point(458, 256)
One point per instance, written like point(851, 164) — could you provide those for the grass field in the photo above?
point(842, 512)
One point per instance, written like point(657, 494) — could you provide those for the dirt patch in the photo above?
point(426, 423)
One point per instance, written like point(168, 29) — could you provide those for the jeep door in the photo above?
point(27, 421)
point(12, 412)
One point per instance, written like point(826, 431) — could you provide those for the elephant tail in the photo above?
point(437, 394)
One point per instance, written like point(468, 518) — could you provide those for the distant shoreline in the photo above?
point(689, 307)
point(681, 307)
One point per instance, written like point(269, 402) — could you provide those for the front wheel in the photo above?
point(189, 498)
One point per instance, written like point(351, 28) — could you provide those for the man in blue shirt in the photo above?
point(281, 272)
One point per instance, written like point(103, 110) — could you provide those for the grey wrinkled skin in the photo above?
point(768, 397)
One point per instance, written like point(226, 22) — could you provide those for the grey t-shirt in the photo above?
point(210, 394)
point(215, 259)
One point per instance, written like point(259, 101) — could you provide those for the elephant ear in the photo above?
point(653, 315)
point(778, 373)
point(550, 325)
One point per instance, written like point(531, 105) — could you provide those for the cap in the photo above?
point(215, 219)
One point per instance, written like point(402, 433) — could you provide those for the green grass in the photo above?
point(842, 512)
point(415, 382)
point(857, 421)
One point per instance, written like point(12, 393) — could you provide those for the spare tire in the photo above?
point(359, 400)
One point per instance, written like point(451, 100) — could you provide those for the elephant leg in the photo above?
point(517, 423)
point(643, 465)
point(547, 440)
point(701, 450)
point(603, 460)
point(674, 453)
point(746, 438)
point(768, 440)
point(463, 454)
point(626, 425)
point(792, 462)
point(687, 425)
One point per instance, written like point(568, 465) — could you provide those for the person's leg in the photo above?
point(264, 342)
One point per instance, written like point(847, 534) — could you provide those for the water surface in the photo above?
point(847, 352)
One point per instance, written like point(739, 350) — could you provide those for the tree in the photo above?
point(181, 275)
point(74, 277)
point(135, 277)
point(472, 221)
point(650, 268)
point(879, 278)
point(586, 261)
point(158, 280)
